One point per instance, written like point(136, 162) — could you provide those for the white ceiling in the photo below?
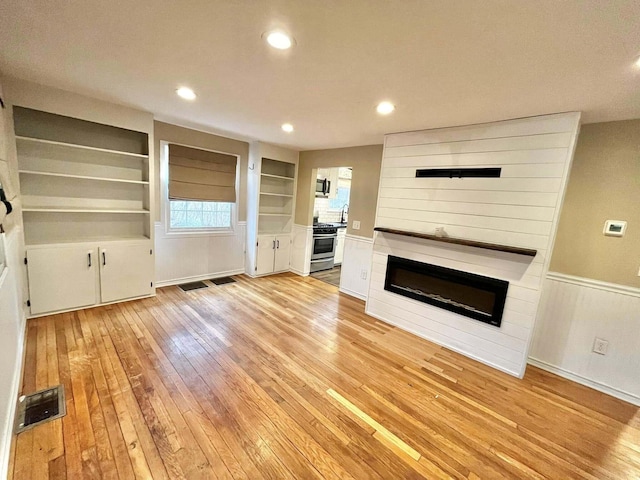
point(443, 63)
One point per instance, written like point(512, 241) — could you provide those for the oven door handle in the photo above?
point(328, 235)
point(322, 260)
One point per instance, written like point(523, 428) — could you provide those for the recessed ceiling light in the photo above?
point(637, 64)
point(287, 127)
point(279, 40)
point(186, 93)
point(385, 108)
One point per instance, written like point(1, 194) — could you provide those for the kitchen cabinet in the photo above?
point(65, 277)
point(273, 253)
point(337, 259)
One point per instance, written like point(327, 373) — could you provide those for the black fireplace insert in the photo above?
point(475, 296)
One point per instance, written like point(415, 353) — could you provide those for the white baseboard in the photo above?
point(298, 272)
point(7, 435)
point(351, 293)
point(601, 387)
point(199, 278)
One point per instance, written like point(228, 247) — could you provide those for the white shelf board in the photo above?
point(274, 214)
point(277, 176)
point(35, 208)
point(82, 177)
point(88, 239)
point(276, 194)
point(273, 232)
point(80, 147)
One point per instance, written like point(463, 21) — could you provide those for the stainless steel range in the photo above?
point(325, 237)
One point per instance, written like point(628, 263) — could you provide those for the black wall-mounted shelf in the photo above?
point(458, 173)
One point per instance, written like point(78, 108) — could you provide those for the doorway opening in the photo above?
point(330, 218)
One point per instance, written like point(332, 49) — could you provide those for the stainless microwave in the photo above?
point(323, 187)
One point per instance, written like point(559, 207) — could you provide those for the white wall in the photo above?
point(574, 311)
point(188, 257)
point(12, 315)
point(301, 249)
point(356, 265)
point(521, 208)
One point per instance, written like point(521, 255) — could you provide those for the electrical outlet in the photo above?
point(600, 346)
point(356, 224)
point(363, 274)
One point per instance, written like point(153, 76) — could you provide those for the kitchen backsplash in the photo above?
point(321, 205)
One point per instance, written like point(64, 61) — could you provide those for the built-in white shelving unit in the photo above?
point(275, 206)
point(86, 204)
point(272, 185)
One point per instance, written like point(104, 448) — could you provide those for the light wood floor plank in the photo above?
point(283, 377)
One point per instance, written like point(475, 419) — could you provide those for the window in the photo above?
point(200, 190)
point(190, 214)
point(342, 198)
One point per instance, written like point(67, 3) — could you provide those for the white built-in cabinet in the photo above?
point(64, 277)
point(272, 186)
point(86, 208)
point(274, 252)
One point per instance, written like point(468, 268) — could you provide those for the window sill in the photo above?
point(198, 233)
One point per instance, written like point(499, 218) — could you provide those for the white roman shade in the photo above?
point(201, 175)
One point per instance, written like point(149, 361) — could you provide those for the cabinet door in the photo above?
point(283, 252)
point(266, 251)
point(62, 278)
point(126, 271)
point(339, 247)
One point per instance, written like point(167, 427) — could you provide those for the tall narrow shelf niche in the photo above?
point(84, 186)
point(275, 207)
point(270, 208)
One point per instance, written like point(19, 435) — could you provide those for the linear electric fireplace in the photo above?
point(475, 296)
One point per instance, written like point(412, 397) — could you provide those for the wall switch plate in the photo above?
point(356, 224)
point(363, 274)
point(600, 346)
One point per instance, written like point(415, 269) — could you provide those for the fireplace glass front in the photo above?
point(475, 296)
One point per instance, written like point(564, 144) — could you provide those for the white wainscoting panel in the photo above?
point(520, 209)
point(356, 266)
point(187, 258)
point(301, 247)
point(573, 312)
point(12, 326)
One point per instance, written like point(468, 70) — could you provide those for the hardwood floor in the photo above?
point(281, 378)
point(331, 276)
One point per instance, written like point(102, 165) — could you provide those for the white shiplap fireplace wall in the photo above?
point(519, 209)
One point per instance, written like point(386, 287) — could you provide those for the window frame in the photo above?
point(165, 207)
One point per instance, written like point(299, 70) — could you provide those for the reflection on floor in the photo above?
point(330, 276)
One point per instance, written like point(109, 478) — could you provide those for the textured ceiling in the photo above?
point(441, 62)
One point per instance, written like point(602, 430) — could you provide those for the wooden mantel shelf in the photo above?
point(460, 241)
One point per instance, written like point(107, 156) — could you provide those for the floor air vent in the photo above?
point(222, 280)
point(192, 286)
point(40, 407)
